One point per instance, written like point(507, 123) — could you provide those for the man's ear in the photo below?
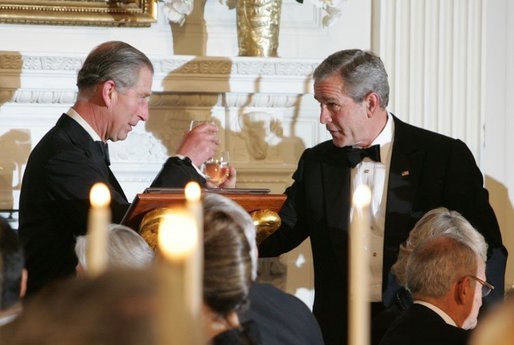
point(463, 290)
point(372, 103)
point(108, 90)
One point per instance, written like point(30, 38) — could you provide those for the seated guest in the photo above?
point(437, 221)
point(281, 318)
point(128, 298)
point(447, 280)
point(13, 276)
point(118, 307)
point(125, 248)
point(226, 279)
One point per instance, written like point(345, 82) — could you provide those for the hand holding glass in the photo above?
point(216, 169)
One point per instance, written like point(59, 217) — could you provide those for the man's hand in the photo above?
point(200, 143)
point(230, 182)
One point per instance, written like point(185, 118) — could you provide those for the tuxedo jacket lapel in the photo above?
point(79, 137)
point(403, 185)
point(337, 190)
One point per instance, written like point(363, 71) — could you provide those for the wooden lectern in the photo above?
point(153, 198)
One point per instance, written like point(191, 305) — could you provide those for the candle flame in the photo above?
point(361, 196)
point(99, 195)
point(177, 234)
point(193, 191)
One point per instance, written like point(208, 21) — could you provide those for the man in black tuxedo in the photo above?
point(447, 280)
point(411, 171)
point(114, 88)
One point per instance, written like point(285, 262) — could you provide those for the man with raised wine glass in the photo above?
point(114, 88)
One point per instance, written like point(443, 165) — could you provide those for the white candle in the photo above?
point(98, 228)
point(179, 310)
point(358, 284)
point(193, 194)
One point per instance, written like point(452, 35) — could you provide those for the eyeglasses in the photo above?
point(486, 287)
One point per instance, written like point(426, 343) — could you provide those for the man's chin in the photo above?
point(120, 137)
point(338, 142)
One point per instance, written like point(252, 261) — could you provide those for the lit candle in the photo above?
point(179, 312)
point(193, 194)
point(358, 289)
point(98, 227)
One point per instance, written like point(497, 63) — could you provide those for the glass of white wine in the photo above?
point(216, 169)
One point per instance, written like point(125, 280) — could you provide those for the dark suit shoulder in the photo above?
point(282, 318)
point(320, 150)
point(67, 135)
point(419, 325)
point(410, 133)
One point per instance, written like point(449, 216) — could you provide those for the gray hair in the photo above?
point(216, 202)
point(126, 249)
point(113, 60)
point(437, 263)
point(362, 73)
point(438, 221)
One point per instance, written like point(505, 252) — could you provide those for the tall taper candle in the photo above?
point(193, 194)
point(358, 284)
point(98, 227)
point(178, 242)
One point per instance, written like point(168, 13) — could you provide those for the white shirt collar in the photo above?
point(83, 123)
point(438, 311)
point(385, 139)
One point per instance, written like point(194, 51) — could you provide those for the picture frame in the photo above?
point(128, 13)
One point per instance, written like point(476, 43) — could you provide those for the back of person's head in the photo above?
point(11, 266)
point(113, 60)
point(434, 222)
point(227, 264)
point(437, 263)
point(125, 249)
point(114, 308)
point(215, 202)
point(362, 72)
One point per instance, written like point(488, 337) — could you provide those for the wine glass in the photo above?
point(196, 123)
point(216, 169)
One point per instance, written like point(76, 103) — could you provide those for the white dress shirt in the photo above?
point(375, 175)
point(76, 116)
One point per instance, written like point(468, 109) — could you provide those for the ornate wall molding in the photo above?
point(28, 74)
point(202, 65)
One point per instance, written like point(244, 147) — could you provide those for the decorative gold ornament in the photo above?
point(149, 227)
point(258, 24)
point(266, 222)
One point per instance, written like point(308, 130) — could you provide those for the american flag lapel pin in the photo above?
point(405, 173)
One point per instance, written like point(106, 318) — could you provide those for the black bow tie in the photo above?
point(104, 148)
point(355, 156)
